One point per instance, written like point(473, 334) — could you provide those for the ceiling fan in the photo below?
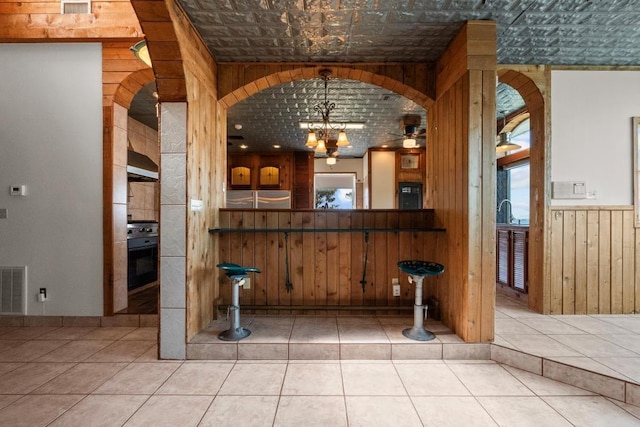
point(234, 138)
point(411, 132)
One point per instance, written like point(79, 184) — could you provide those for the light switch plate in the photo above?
point(3, 213)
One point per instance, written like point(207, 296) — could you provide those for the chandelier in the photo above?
point(320, 135)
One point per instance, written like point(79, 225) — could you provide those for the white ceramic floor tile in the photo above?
point(101, 411)
point(593, 411)
point(83, 378)
point(138, 378)
point(30, 411)
point(255, 379)
point(627, 366)
point(544, 386)
point(317, 379)
point(452, 411)
point(196, 378)
point(628, 341)
point(311, 411)
point(540, 345)
point(171, 411)
point(513, 326)
point(489, 380)
point(522, 411)
point(593, 346)
point(74, 351)
point(315, 330)
point(549, 326)
point(591, 325)
point(30, 376)
point(382, 411)
point(245, 411)
point(371, 379)
point(431, 379)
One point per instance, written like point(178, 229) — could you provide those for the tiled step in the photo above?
point(616, 388)
point(331, 338)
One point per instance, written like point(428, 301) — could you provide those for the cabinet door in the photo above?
point(520, 260)
point(502, 257)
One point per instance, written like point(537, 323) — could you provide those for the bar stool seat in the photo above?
point(418, 270)
point(237, 274)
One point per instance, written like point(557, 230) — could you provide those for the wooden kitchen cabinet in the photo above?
point(512, 253)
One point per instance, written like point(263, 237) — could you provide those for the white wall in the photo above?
point(51, 141)
point(591, 137)
point(383, 179)
point(341, 166)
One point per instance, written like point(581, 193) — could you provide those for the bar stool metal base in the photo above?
point(237, 274)
point(417, 270)
point(234, 334)
point(418, 334)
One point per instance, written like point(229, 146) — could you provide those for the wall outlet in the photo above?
point(396, 287)
point(42, 296)
point(247, 283)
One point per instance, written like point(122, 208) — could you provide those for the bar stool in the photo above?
point(237, 274)
point(417, 271)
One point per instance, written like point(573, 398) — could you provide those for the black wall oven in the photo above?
point(142, 248)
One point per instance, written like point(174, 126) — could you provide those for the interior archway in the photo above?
point(535, 104)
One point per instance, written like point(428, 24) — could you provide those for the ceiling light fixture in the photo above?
point(141, 51)
point(319, 135)
point(409, 143)
point(505, 143)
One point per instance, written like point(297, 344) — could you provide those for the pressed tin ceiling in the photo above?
point(555, 32)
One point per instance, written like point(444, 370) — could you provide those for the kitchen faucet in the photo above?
point(510, 217)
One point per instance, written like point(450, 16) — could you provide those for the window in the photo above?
point(518, 192)
point(334, 190)
point(514, 179)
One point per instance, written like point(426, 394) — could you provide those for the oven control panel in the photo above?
point(142, 229)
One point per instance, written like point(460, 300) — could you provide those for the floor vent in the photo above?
point(75, 6)
point(13, 290)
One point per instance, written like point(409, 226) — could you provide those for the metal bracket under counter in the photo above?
point(326, 230)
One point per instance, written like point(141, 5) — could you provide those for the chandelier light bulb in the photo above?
point(342, 139)
point(321, 148)
point(312, 141)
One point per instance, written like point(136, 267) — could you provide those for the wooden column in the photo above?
point(461, 178)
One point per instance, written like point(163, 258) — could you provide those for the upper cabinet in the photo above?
point(260, 171)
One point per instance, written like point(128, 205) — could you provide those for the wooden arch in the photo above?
point(531, 92)
point(417, 90)
point(130, 85)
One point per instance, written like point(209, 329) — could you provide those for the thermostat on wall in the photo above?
point(18, 190)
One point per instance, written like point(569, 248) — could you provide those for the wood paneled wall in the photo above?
point(595, 261)
point(325, 267)
point(42, 21)
point(461, 179)
point(206, 171)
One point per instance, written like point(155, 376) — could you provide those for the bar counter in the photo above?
point(316, 260)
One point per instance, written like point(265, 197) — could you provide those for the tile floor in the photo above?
point(110, 376)
point(605, 344)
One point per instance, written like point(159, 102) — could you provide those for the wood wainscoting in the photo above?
point(594, 260)
point(326, 254)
